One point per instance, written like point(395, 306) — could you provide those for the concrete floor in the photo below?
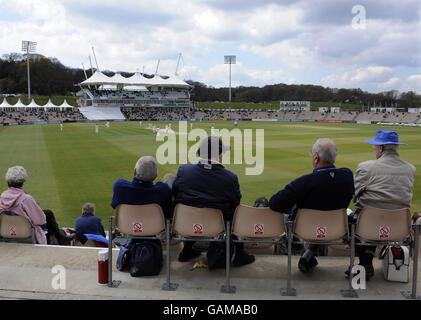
point(26, 273)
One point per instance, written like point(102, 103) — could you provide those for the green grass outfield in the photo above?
point(67, 169)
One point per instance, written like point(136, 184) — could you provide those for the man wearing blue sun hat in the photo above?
point(385, 183)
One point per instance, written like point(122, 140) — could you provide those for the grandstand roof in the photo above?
point(98, 78)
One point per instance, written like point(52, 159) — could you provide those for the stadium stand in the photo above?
point(40, 115)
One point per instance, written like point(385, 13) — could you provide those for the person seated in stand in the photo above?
point(169, 179)
point(326, 188)
point(385, 183)
point(261, 202)
point(90, 226)
point(16, 200)
point(141, 190)
point(208, 184)
point(88, 223)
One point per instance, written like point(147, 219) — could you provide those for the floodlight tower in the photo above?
point(28, 47)
point(230, 60)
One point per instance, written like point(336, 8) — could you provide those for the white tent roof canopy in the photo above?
point(33, 104)
point(98, 78)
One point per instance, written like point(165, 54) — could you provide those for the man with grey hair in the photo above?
point(88, 223)
point(326, 188)
point(142, 190)
point(385, 183)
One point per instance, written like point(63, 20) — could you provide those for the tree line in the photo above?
point(305, 92)
point(50, 77)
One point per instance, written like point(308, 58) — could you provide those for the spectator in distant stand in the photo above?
point(15, 199)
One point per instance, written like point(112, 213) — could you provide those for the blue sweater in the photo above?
point(324, 189)
point(137, 192)
point(88, 223)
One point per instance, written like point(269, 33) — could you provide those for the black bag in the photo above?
point(145, 258)
point(217, 255)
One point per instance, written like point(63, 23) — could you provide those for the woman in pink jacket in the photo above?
point(15, 199)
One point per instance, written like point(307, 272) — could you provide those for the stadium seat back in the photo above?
point(197, 222)
point(13, 226)
point(320, 225)
point(251, 223)
point(376, 224)
point(140, 220)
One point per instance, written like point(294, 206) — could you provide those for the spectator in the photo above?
point(385, 183)
point(261, 202)
point(208, 184)
point(15, 199)
point(88, 223)
point(169, 179)
point(142, 190)
point(326, 188)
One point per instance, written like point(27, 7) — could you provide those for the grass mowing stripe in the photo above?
point(25, 146)
point(85, 166)
point(79, 165)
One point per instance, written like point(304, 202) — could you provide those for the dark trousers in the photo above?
point(53, 229)
point(239, 247)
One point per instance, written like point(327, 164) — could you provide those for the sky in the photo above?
point(369, 44)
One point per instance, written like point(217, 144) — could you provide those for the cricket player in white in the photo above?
point(61, 127)
point(96, 128)
point(212, 130)
point(157, 132)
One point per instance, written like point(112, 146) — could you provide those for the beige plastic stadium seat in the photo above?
point(140, 220)
point(258, 223)
point(324, 226)
point(197, 222)
point(15, 227)
point(383, 225)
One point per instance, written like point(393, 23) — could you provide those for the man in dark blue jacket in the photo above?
point(208, 184)
point(142, 190)
point(88, 223)
point(326, 188)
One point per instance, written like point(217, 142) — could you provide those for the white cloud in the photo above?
point(391, 84)
point(218, 76)
point(316, 36)
point(285, 52)
point(412, 83)
point(372, 77)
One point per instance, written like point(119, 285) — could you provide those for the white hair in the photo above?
point(326, 150)
point(146, 169)
point(16, 176)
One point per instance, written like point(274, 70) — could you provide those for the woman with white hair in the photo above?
point(15, 199)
